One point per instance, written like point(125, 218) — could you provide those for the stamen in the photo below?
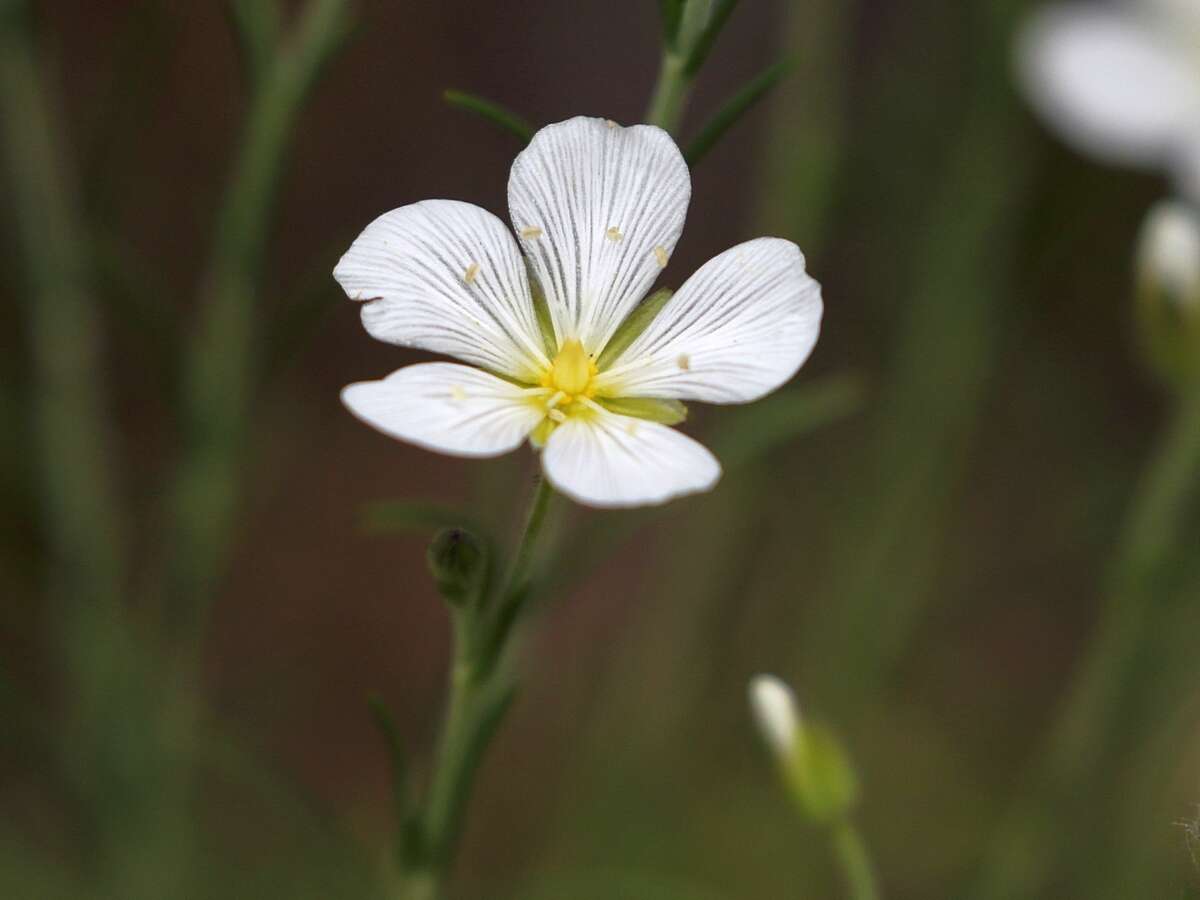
point(530, 232)
point(457, 393)
point(660, 253)
point(684, 361)
point(610, 123)
point(472, 271)
point(614, 233)
point(557, 415)
point(558, 398)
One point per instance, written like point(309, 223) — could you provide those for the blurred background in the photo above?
point(927, 545)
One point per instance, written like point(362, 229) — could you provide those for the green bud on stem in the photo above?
point(459, 564)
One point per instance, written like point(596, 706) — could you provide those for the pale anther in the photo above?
point(614, 233)
point(472, 271)
point(457, 393)
point(530, 232)
point(660, 253)
point(684, 361)
point(557, 415)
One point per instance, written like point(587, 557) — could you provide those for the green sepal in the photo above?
point(541, 309)
point(635, 323)
point(668, 412)
point(819, 775)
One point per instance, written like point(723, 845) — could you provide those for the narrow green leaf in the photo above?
point(671, 12)
point(503, 118)
point(740, 104)
point(750, 432)
point(385, 723)
point(635, 323)
point(703, 45)
point(668, 412)
point(411, 517)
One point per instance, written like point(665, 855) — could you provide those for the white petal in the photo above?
point(610, 460)
point(599, 209)
point(1109, 82)
point(776, 713)
point(737, 329)
point(446, 276)
point(446, 407)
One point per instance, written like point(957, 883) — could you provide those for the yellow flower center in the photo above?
point(572, 371)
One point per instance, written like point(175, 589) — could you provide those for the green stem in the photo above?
point(675, 76)
point(72, 440)
point(480, 691)
point(218, 370)
point(850, 853)
point(1094, 713)
point(670, 93)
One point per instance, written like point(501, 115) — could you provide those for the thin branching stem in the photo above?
point(218, 370)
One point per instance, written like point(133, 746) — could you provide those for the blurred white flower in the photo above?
point(598, 210)
point(1120, 81)
point(1169, 256)
point(776, 713)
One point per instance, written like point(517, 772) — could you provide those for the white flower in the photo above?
point(1170, 252)
point(1120, 81)
point(598, 210)
point(776, 714)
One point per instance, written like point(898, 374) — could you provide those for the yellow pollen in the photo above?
point(472, 271)
point(610, 123)
point(614, 233)
point(457, 393)
point(684, 361)
point(572, 370)
point(660, 253)
point(531, 232)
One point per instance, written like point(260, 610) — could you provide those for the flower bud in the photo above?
point(459, 563)
point(1168, 291)
point(811, 760)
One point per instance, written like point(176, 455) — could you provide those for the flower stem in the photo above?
point(855, 864)
point(481, 687)
point(675, 74)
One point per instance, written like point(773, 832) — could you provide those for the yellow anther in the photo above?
point(614, 233)
point(558, 398)
point(457, 393)
point(684, 361)
point(610, 123)
point(572, 370)
point(660, 253)
point(472, 271)
point(530, 232)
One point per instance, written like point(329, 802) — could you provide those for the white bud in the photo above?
point(776, 713)
point(1169, 254)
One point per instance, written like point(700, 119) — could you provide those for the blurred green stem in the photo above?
point(888, 546)
point(676, 70)
point(71, 433)
point(852, 859)
point(218, 369)
point(1094, 713)
point(482, 684)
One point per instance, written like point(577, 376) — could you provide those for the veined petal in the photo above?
point(448, 408)
point(737, 329)
point(599, 209)
point(607, 460)
point(1109, 82)
point(446, 276)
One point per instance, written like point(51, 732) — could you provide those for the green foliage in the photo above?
point(502, 118)
point(736, 107)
